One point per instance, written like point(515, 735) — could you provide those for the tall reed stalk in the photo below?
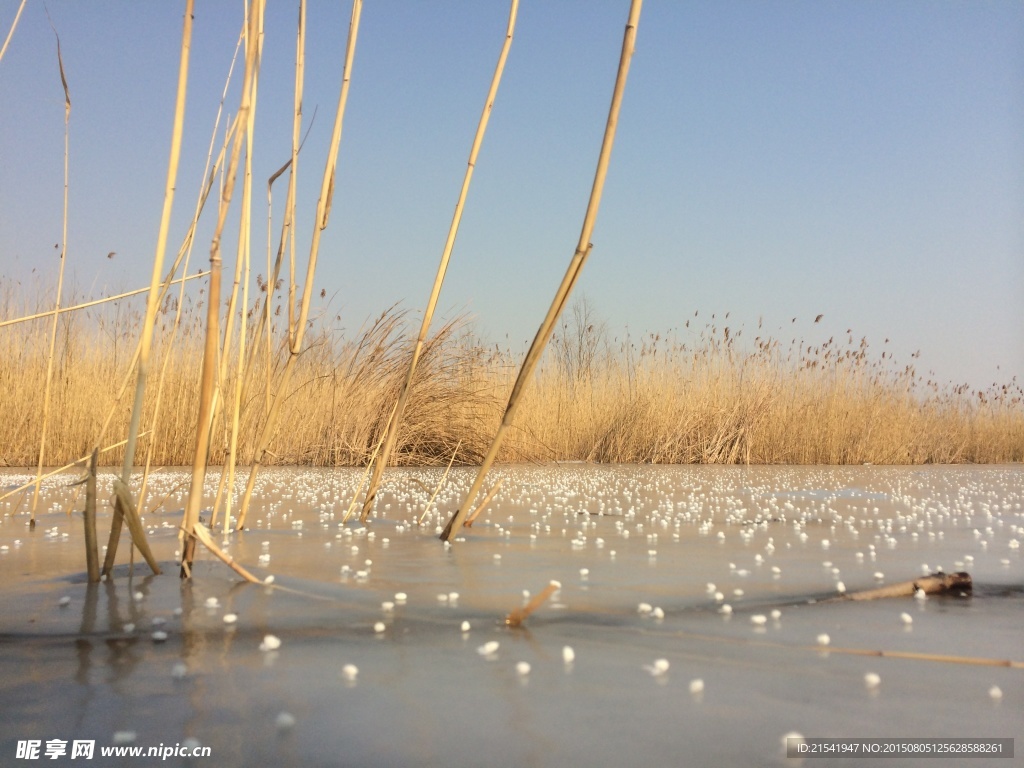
point(204, 423)
point(60, 289)
point(571, 274)
point(183, 258)
point(242, 269)
point(323, 211)
point(153, 299)
point(428, 313)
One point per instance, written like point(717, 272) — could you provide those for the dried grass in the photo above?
point(709, 399)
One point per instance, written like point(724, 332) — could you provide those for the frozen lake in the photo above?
point(695, 601)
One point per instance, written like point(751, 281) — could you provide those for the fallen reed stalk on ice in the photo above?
point(202, 533)
point(517, 616)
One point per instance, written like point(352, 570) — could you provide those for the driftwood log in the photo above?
point(933, 584)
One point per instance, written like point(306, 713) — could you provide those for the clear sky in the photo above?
point(863, 160)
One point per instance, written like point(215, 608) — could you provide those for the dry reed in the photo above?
point(60, 289)
point(442, 268)
point(92, 558)
point(153, 297)
point(568, 281)
point(517, 616)
point(209, 371)
point(14, 25)
point(297, 330)
point(700, 396)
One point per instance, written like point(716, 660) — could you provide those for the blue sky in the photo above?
point(864, 160)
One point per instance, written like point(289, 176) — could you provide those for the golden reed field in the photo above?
point(707, 394)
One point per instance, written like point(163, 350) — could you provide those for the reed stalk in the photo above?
point(153, 298)
point(183, 258)
point(60, 290)
point(980, 661)
point(10, 34)
point(323, 211)
point(242, 269)
point(440, 483)
point(435, 292)
point(287, 224)
point(516, 617)
point(202, 533)
point(131, 515)
point(366, 472)
point(92, 558)
point(571, 275)
point(69, 465)
point(94, 302)
point(209, 377)
point(483, 504)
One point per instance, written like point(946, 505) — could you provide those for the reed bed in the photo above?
point(702, 396)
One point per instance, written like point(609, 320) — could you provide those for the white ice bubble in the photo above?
point(659, 667)
point(488, 648)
